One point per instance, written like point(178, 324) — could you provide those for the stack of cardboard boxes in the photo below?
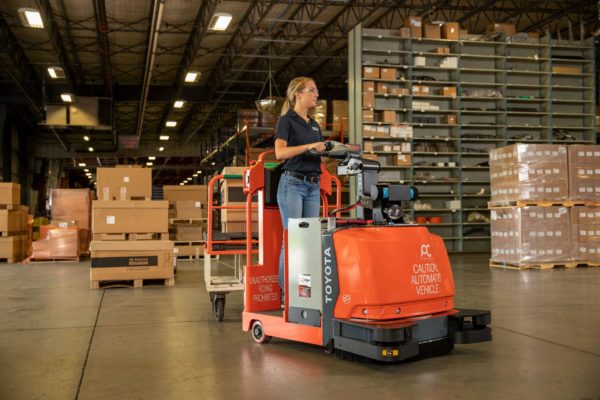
point(130, 237)
point(232, 195)
point(187, 218)
point(14, 242)
point(544, 201)
point(74, 206)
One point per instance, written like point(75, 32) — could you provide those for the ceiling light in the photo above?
point(199, 172)
point(195, 175)
point(171, 124)
point(86, 138)
point(220, 21)
point(151, 158)
point(81, 164)
point(31, 17)
point(163, 137)
point(181, 184)
point(212, 163)
point(86, 170)
point(192, 76)
point(179, 104)
point(149, 164)
point(66, 97)
point(90, 149)
point(161, 148)
point(56, 72)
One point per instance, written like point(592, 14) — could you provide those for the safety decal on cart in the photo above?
point(304, 285)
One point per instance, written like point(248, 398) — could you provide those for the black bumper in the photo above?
point(470, 326)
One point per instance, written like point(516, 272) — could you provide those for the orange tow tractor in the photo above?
point(373, 287)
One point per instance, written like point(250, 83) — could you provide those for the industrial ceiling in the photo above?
point(136, 53)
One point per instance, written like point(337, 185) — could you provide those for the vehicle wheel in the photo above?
point(219, 308)
point(258, 333)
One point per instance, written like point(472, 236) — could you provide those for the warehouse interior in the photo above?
point(131, 135)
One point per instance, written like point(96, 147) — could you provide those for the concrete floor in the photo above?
point(61, 340)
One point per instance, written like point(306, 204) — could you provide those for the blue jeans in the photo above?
point(296, 199)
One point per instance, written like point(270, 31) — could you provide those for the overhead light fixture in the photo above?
point(90, 149)
point(220, 21)
point(86, 170)
point(212, 163)
point(56, 72)
point(30, 17)
point(195, 175)
point(66, 97)
point(179, 104)
point(161, 149)
point(171, 124)
point(163, 137)
point(151, 158)
point(199, 171)
point(271, 40)
point(181, 184)
point(149, 164)
point(192, 76)
point(86, 138)
point(81, 164)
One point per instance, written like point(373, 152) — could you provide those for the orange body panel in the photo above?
point(391, 272)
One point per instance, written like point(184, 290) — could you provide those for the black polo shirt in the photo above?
point(292, 128)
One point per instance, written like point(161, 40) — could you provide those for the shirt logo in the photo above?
point(314, 128)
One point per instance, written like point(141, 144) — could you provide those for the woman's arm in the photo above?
point(284, 152)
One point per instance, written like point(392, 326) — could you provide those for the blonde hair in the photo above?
point(297, 84)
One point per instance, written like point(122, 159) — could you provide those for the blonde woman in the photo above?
point(296, 133)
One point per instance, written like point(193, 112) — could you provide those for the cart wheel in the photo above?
point(219, 308)
point(258, 333)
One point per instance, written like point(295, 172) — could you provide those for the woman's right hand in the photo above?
point(317, 146)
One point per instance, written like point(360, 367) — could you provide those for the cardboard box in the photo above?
point(388, 116)
point(188, 209)
point(420, 90)
point(368, 87)
point(450, 31)
point(59, 243)
point(404, 32)
point(375, 131)
point(370, 72)
point(388, 73)
point(340, 115)
point(584, 173)
point(432, 31)
point(402, 160)
point(399, 91)
point(10, 221)
point(449, 91)
point(585, 233)
point(238, 214)
point(131, 260)
point(529, 172)
point(531, 234)
point(320, 115)
point(566, 70)
point(368, 145)
point(189, 232)
point(441, 50)
point(130, 216)
point(124, 183)
point(10, 193)
point(368, 100)
point(463, 34)
point(381, 87)
point(415, 25)
point(189, 250)
point(368, 116)
point(173, 193)
point(229, 226)
point(72, 204)
point(11, 248)
point(508, 29)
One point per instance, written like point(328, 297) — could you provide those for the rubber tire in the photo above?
point(258, 333)
point(219, 309)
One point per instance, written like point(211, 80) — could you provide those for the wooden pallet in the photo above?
point(187, 221)
point(51, 260)
point(195, 247)
point(10, 206)
point(133, 283)
point(521, 266)
point(529, 203)
point(7, 234)
point(130, 236)
point(11, 260)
